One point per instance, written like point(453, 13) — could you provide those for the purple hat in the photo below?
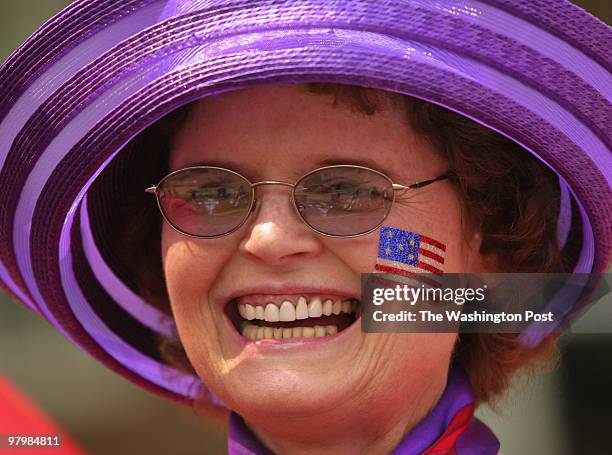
point(101, 71)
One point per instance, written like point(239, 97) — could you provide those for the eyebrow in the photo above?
point(237, 167)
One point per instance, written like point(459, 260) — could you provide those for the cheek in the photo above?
point(440, 220)
point(182, 262)
point(429, 357)
point(190, 272)
point(406, 370)
point(359, 253)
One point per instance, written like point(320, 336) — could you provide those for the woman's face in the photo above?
point(280, 132)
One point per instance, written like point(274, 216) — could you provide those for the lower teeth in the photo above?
point(254, 332)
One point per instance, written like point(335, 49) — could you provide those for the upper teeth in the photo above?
point(289, 311)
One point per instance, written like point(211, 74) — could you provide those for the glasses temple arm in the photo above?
point(397, 186)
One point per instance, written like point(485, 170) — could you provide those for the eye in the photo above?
point(209, 196)
point(336, 186)
point(218, 198)
point(201, 194)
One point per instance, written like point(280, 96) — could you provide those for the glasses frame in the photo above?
point(395, 186)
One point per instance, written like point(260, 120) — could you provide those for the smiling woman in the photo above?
point(278, 133)
point(206, 192)
point(300, 290)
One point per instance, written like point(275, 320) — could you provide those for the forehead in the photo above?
point(284, 131)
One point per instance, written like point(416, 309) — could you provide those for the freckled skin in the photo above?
point(365, 393)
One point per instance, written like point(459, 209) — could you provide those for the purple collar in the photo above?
point(476, 439)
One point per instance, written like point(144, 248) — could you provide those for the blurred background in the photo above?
point(566, 412)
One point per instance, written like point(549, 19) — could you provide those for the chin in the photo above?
point(256, 389)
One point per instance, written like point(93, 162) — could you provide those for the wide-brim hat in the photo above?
point(101, 71)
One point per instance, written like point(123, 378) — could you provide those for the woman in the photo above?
point(243, 291)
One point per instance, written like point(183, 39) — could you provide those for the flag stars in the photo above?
point(388, 251)
point(389, 234)
point(401, 247)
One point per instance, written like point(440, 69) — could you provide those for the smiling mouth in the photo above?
point(260, 317)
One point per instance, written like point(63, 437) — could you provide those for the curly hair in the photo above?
point(508, 195)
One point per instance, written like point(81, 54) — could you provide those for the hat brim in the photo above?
point(61, 127)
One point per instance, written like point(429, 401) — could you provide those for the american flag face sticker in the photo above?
point(410, 254)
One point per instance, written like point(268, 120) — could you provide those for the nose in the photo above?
point(275, 234)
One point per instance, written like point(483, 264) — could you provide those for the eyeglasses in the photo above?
point(336, 201)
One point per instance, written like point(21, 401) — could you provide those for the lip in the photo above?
point(294, 344)
point(286, 289)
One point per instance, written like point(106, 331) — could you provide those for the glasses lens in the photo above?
point(205, 201)
point(344, 200)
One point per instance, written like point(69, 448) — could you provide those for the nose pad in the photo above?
point(254, 209)
point(295, 205)
point(256, 205)
point(297, 210)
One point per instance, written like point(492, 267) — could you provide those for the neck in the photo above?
point(343, 430)
point(339, 444)
point(420, 428)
